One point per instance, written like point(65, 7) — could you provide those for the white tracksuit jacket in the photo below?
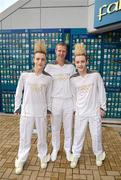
point(88, 96)
point(36, 96)
point(88, 93)
point(62, 105)
point(36, 92)
point(61, 79)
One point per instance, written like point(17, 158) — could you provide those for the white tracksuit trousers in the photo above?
point(26, 127)
point(80, 128)
point(62, 111)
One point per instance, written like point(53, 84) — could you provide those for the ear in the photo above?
point(55, 50)
point(34, 60)
point(87, 62)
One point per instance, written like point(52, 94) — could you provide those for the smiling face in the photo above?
point(39, 61)
point(61, 51)
point(81, 63)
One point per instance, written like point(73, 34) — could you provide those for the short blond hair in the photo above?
point(62, 44)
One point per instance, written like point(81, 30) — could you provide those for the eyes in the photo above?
point(42, 59)
point(79, 62)
point(60, 51)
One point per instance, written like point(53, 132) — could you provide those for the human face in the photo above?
point(81, 63)
point(61, 52)
point(39, 61)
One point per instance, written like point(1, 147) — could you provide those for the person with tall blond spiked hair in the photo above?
point(34, 92)
point(90, 105)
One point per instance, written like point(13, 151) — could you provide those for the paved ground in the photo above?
point(59, 170)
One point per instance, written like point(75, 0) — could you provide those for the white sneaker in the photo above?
point(68, 156)
point(100, 158)
point(54, 155)
point(34, 131)
point(44, 161)
point(18, 166)
point(74, 161)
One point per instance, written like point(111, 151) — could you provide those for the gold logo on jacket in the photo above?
point(85, 88)
point(36, 87)
point(61, 76)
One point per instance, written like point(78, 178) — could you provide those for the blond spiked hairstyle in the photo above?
point(40, 46)
point(79, 49)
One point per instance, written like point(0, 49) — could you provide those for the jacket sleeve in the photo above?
point(102, 93)
point(49, 95)
point(73, 91)
point(18, 95)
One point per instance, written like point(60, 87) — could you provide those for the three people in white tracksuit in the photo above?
point(62, 94)
point(35, 86)
point(90, 105)
point(62, 104)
